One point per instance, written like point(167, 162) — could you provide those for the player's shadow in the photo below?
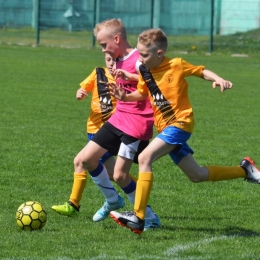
point(231, 231)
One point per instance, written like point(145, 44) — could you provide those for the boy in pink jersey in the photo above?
point(126, 133)
point(138, 115)
point(128, 130)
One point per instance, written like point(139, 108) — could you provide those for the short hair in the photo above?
point(154, 38)
point(114, 26)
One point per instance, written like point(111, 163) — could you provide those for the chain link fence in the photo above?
point(191, 25)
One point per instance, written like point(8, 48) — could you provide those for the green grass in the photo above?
point(43, 127)
point(245, 43)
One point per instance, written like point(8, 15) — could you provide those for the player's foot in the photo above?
point(67, 209)
point(128, 219)
point(152, 223)
point(253, 173)
point(103, 212)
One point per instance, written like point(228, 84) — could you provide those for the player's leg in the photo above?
point(89, 160)
point(186, 162)
point(108, 160)
point(156, 149)
point(135, 221)
point(129, 150)
point(169, 140)
point(193, 171)
point(83, 160)
point(197, 173)
point(106, 137)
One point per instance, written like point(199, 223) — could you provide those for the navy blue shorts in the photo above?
point(174, 135)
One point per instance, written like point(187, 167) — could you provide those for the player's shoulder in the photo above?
point(175, 60)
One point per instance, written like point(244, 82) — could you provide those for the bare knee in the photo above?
point(82, 164)
point(197, 176)
point(122, 179)
point(77, 161)
point(119, 176)
point(143, 159)
point(193, 171)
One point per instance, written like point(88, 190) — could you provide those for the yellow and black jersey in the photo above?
point(102, 104)
point(168, 92)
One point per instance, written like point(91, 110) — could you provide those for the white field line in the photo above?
point(171, 253)
point(174, 251)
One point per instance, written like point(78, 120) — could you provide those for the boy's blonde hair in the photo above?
point(113, 26)
point(154, 38)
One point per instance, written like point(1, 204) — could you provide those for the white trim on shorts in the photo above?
point(129, 150)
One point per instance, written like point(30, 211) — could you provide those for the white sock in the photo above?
point(131, 197)
point(105, 186)
point(149, 213)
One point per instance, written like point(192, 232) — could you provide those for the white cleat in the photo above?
point(253, 173)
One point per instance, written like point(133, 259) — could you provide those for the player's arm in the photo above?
point(119, 73)
point(217, 81)
point(119, 93)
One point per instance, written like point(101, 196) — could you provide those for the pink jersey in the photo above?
point(133, 118)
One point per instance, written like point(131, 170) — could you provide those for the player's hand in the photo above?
point(81, 94)
point(224, 84)
point(119, 73)
point(116, 91)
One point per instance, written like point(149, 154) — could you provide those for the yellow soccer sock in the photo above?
point(221, 173)
point(143, 189)
point(133, 177)
point(79, 184)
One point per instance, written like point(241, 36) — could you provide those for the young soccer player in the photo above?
point(127, 131)
point(102, 107)
point(163, 80)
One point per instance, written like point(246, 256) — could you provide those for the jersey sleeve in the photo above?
point(89, 83)
point(189, 69)
point(137, 65)
point(141, 86)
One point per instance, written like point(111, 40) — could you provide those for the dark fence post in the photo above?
point(152, 4)
point(211, 26)
point(94, 22)
point(37, 20)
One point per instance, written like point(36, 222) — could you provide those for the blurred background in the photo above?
point(206, 25)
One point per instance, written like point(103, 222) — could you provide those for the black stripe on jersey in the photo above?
point(159, 100)
point(104, 98)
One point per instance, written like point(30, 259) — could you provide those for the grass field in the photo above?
point(42, 128)
point(248, 42)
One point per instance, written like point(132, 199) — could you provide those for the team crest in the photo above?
point(168, 78)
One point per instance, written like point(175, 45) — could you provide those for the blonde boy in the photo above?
point(125, 134)
point(163, 80)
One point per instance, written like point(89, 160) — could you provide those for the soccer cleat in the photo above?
point(103, 212)
point(67, 209)
point(128, 219)
point(152, 223)
point(253, 173)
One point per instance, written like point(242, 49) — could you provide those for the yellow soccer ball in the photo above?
point(31, 215)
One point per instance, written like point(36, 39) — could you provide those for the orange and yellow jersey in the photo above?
point(168, 92)
point(102, 104)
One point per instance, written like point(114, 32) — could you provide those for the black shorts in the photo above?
point(110, 138)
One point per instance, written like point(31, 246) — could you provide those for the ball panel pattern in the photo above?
point(31, 215)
